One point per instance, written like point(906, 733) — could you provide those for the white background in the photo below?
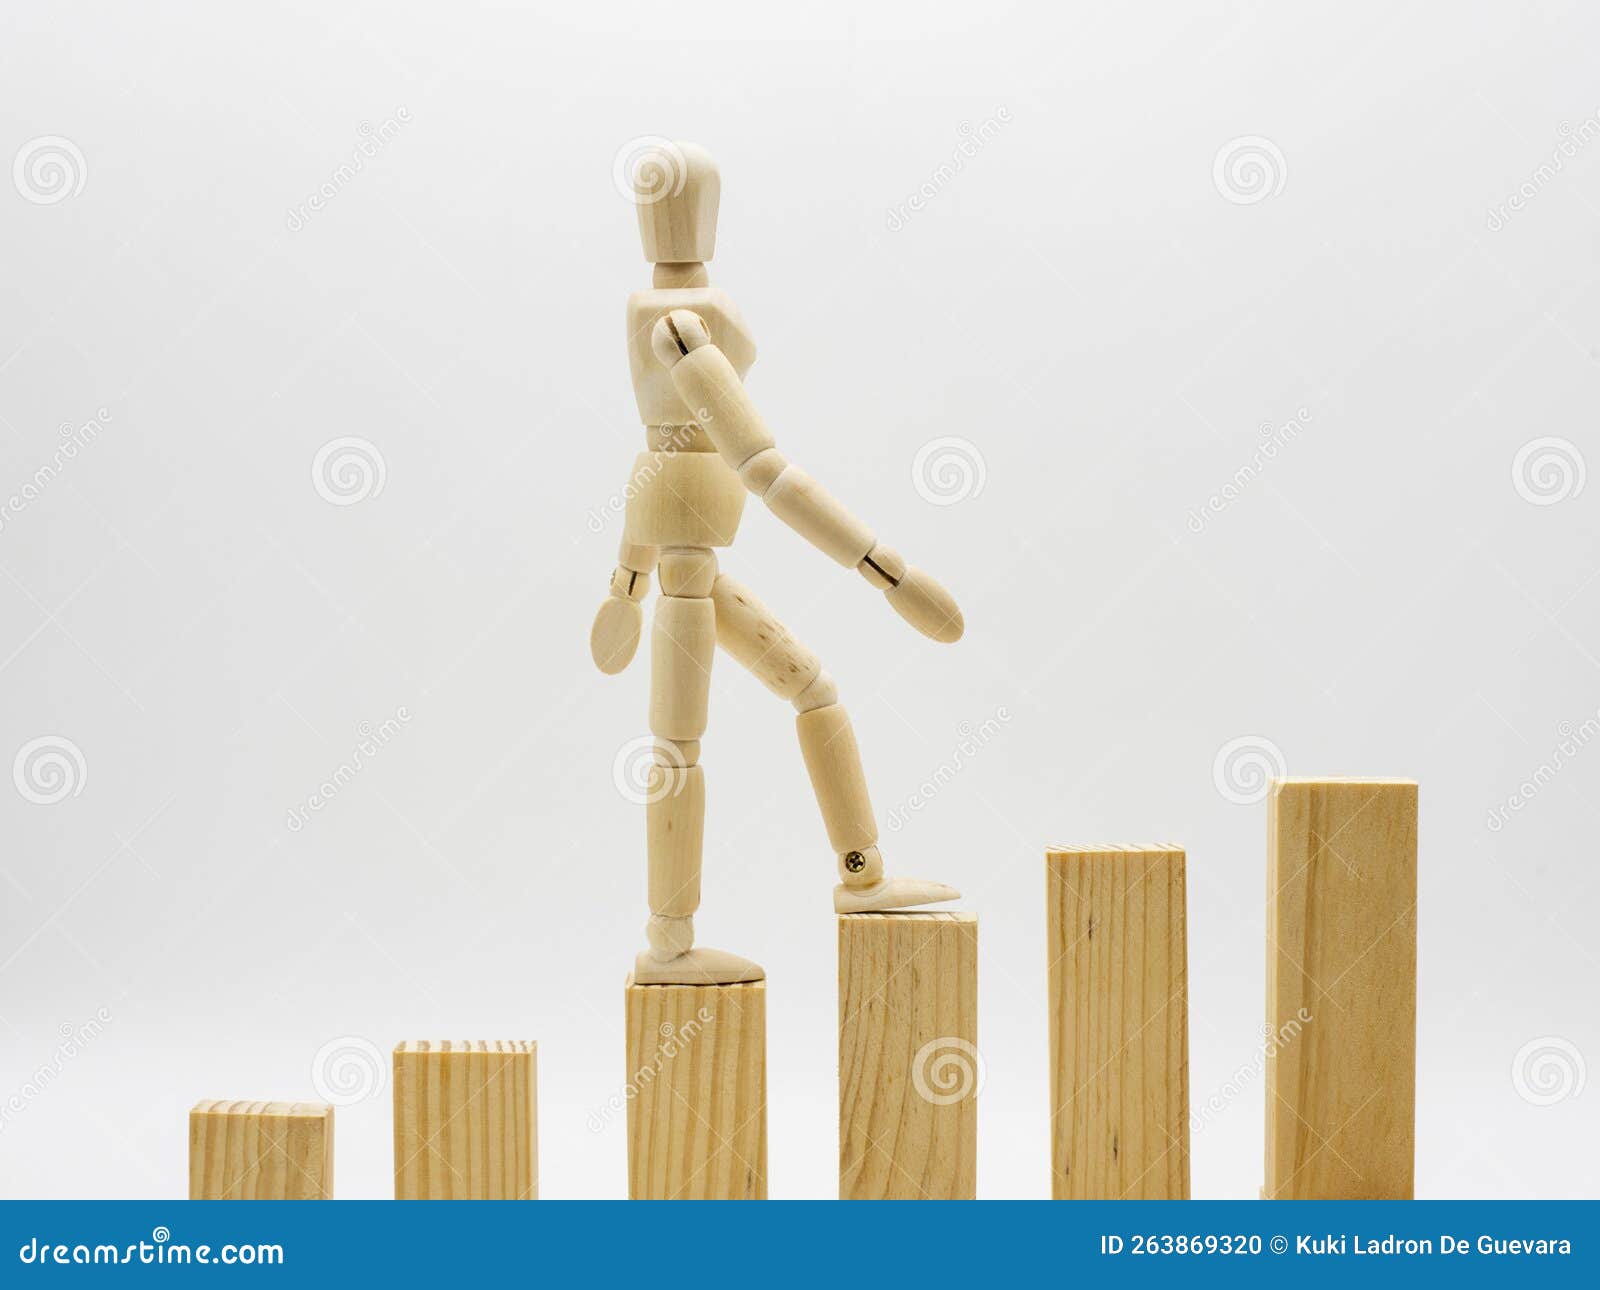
point(1106, 324)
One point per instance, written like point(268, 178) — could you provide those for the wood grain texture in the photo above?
point(1341, 989)
point(909, 1066)
point(697, 1091)
point(1119, 1023)
point(466, 1120)
point(261, 1151)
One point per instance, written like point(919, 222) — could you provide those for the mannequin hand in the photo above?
point(926, 605)
point(615, 635)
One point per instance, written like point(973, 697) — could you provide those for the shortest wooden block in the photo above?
point(697, 1091)
point(261, 1151)
point(465, 1120)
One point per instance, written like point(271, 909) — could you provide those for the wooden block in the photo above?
point(466, 1120)
point(1341, 989)
point(1119, 1023)
point(261, 1151)
point(697, 1091)
point(909, 1067)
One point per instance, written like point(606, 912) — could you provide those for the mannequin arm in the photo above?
point(615, 634)
point(706, 381)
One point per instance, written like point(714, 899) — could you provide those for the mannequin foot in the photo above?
point(695, 967)
point(890, 893)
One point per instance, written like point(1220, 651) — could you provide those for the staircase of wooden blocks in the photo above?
point(1340, 1055)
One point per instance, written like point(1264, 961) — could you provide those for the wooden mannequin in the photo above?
point(688, 351)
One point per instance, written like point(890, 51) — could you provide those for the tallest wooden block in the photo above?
point(1341, 989)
